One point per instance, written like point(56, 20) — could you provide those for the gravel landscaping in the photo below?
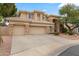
point(70, 37)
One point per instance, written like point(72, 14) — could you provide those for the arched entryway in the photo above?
point(55, 25)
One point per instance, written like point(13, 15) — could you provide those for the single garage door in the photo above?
point(37, 30)
point(18, 30)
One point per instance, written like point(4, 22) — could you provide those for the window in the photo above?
point(45, 18)
point(38, 15)
point(54, 20)
point(30, 16)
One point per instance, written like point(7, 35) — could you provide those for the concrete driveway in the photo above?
point(38, 44)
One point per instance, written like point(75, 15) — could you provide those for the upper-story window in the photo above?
point(38, 15)
point(30, 15)
point(44, 17)
point(54, 20)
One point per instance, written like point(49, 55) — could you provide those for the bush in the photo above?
point(1, 19)
point(56, 33)
point(70, 33)
point(64, 30)
point(1, 40)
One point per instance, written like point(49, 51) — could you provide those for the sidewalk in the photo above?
point(46, 44)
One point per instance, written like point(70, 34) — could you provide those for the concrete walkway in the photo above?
point(39, 45)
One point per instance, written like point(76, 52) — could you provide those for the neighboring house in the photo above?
point(35, 22)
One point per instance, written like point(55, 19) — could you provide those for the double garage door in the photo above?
point(20, 30)
point(37, 30)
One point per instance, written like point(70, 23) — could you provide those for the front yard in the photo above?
point(35, 44)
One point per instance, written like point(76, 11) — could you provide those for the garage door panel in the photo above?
point(18, 30)
point(37, 30)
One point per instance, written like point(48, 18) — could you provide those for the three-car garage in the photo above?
point(21, 30)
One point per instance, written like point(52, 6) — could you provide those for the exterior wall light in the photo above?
point(7, 23)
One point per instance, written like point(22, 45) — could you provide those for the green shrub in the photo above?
point(1, 40)
point(56, 33)
point(70, 33)
point(64, 30)
point(1, 19)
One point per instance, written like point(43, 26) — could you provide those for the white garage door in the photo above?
point(37, 30)
point(18, 30)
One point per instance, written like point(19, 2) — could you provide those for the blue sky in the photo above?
point(50, 8)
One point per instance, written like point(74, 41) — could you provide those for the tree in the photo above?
point(7, 9)
point(71, 16)
point(1, 20)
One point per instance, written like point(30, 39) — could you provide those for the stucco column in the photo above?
point(53, 28)
point(26, 29)
point(41, 17)
point(58, 27)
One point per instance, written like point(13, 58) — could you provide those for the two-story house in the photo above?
point(35, 22)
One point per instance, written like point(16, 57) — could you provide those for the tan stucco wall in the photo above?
point(4, 30)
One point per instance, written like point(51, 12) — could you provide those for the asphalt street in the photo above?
point(72, 51)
